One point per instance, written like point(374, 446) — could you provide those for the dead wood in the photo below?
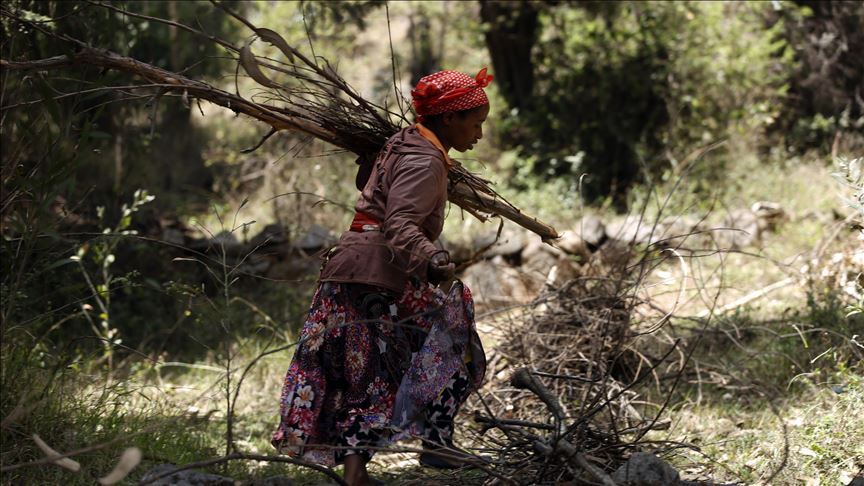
point(319, 103)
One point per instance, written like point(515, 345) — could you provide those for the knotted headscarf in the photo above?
point(449, 91)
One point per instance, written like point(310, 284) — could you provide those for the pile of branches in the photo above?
point(310, 98)
point(569, 415)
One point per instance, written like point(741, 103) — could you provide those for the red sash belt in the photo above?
point(363, 222)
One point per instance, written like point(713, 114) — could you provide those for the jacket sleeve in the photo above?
point(417, 185)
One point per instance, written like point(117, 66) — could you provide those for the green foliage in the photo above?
point(631, 88)
point(825, 103)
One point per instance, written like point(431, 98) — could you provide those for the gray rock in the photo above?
point(273, 234)
point(494, 283)
point(769, 215)
point(572, 243)
point(547, 265)
point(857, 481)
point(644, 469)
point(316, 238)
point(631, 228)
point(510, 243)
point(173, 236)
point(188, 477)
point(743, 229)
point(226, 238)
point(591, 230)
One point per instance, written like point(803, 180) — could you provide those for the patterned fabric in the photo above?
point(437, 423)
point(350, 372)
point(449, 91)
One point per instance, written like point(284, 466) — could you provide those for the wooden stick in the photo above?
point(748, 298)
point(471, 199)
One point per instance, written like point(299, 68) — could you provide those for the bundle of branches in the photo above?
point(312, 99)
point(569, 415)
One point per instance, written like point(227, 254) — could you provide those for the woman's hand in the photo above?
point(440, 268)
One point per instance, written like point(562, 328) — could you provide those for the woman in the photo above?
point(384, 354)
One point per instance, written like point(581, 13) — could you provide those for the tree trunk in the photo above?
point(512, 32)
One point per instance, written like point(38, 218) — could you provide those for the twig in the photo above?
point(748, 298)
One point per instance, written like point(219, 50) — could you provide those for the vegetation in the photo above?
point(134, 311)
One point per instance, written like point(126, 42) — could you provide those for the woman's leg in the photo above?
point(355, 471)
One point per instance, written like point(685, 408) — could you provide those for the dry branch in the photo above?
point(324, 106)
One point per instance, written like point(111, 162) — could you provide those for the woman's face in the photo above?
point(462, 130)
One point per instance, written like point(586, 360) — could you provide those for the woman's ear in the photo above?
point(447, 118)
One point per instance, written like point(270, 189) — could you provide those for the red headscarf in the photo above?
point(449, 91)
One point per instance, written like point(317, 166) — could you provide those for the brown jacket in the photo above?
point(406, 193)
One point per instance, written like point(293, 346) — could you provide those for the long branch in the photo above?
point(176, 82)
point(279, 118)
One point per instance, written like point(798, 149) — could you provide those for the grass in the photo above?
point(776, 385)
point(780, 369)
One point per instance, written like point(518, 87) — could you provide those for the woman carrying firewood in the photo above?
point(385, 353)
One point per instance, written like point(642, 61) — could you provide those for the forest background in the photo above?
point(115, 332)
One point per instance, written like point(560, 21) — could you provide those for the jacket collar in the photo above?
point(433, 139)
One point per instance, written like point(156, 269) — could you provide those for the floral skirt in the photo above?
point(372, 369)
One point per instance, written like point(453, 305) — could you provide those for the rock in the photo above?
point(674, 232)
point(858, 481)
point(255, 265)
point(272, 234)
point(547, 265)
point(459, 251)
point(630, 229)
point(747, 226)
point(743, 229)
point(173, 236)
point(224, 239)
point(644, 469)
point(508, 245)
point(592, 231)
point(188, 477)
point(768, 214)
point(316, 237)
point(572, 243)
point(494, 282)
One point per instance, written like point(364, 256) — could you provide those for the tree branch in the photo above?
point(175, 82)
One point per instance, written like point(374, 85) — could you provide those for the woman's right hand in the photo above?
point(441, 268)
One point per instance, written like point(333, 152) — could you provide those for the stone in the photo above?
point(495, 283)
point(272, 234)
point(769, 215)
point(316, 237)
point(459, 250)
point(592, 231)
point(173, 236)
point(630, 229)
point(675, 232)
point(741, 229)
point(509, 244)
point(572, 243)
point(187, 477)
point(546, 265)
point(645, 469)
